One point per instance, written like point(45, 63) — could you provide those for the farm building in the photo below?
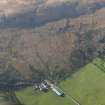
point(46, 85)
point(54, 88)
point(58, 91)
point(42, 87)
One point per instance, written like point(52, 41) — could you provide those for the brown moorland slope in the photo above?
point(53, 50)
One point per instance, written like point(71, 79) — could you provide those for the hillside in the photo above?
point(62, 41)
point(50, 38)
point(35, 13)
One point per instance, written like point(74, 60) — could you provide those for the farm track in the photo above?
point(9, 98)
point(13, 99)
point(70, 97)
point(73, 99)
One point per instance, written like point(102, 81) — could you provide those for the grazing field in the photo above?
point(87, 86)
point(30, 97)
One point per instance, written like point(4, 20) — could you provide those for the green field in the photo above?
point(30, 97)
point(87, 86)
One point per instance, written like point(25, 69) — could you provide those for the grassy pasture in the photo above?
point(87, 85)
point(30, 97)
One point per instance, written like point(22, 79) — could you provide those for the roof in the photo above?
point(57, 90)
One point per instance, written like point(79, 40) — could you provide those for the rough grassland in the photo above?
point(30, 97)
point(87, 86)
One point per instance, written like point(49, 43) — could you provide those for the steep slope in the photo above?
point(54, 48)
point(69, 36)
point(24, 14)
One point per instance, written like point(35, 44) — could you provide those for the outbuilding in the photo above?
point(58, 91)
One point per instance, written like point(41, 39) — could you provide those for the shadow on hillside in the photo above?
point(32, 18)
